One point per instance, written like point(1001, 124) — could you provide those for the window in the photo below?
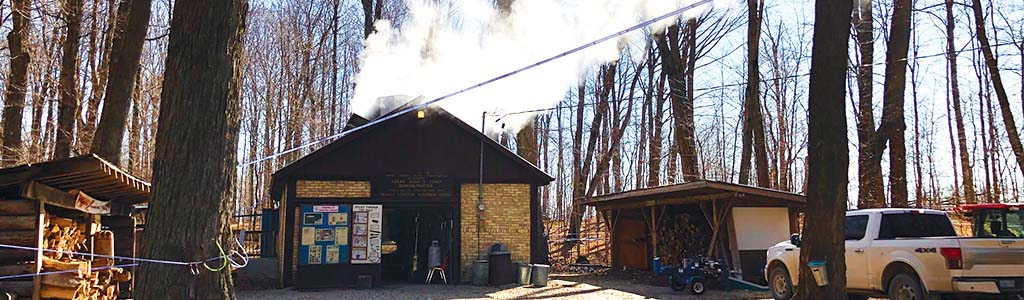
point(999, 223)
point(855, 227)
point(914, 225)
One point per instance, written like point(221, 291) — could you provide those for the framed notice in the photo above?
point(331, 255)
point(366, 233)
point(337, 218)
point(341, 236)
point(324, 235)
point(314, 254)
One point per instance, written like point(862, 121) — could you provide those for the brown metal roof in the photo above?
point(693, 192)
point(87, 173)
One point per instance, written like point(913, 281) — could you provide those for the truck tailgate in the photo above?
point(992, 257)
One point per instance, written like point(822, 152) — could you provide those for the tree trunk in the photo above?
point(196, 143)
point(685, 135)
point(99, 73)
point(993, 150)
point(578, 176)
point(869, 174)
point(893, 120)
point(965, 159)
point(655, 141)
point(918, 184)
point(827, 153)
point(559, 187)
point(753, 120)
point(997, 83)
point(526, 141)
point(676, 66)
point(69, 96)
point(126, 48)
point(368, 17)
point(14, 95)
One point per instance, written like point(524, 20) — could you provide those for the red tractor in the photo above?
point(999, 220)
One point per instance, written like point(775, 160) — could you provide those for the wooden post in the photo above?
point(40, 228)
point(654, 233)
point(734, 251)
point(719, 218)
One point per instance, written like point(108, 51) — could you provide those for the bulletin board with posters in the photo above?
point(324, 234)
point(366, 233)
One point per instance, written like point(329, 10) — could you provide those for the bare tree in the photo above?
point(69, 93)
point(678, 59)
point(753, 120)
point(827, 155)
point(197, 140)
point(954, 86)
point(14, 96)
point(869, 175)
point(372, 11)
point(126, 48)
point(997, 82)
point(893, 124)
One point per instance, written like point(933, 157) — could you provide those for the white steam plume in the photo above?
point(445, 48)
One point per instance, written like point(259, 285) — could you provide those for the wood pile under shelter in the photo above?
point(732, 222)
point(83, 205)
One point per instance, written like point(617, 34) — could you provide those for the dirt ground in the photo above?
point(561, 286)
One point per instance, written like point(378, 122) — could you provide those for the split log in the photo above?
point(26, 238)
point(57, 292)
point(60, 222)
point(18, 222)
point(68, 280)
point(82, 266)
point(103, 244)
point(112, 292)
point(19, 207)
point(120, 275)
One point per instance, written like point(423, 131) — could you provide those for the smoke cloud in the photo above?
point(442, 48)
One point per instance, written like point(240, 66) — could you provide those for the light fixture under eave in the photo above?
point(421, 114)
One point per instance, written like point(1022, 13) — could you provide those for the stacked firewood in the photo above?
point(67, 235)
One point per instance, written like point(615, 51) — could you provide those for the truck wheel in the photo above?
point(780, 284)
point(906, 287)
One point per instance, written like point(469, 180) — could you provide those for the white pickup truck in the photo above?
point(914, 254)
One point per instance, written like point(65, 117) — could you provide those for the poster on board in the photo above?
point(324, 234)
point(366, 232)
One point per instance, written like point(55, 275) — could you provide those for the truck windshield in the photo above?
point(909, 225)
point(1001, 223)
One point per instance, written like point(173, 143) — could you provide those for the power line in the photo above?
point(486, 82)
point(547, 60)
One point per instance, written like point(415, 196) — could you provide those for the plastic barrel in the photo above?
point(480, 272)
point(540, 275)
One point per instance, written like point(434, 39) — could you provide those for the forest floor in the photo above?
point(561, 286)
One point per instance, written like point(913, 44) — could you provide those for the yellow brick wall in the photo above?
point(332, 189)
point(506, 219)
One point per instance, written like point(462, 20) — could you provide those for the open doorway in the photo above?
point(407, 236)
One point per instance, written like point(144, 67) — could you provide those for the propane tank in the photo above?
point(434, 255)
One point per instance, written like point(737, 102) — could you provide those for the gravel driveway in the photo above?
point(559, 287)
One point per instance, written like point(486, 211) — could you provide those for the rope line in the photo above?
point(485, 82)
point(64, 271)
point(193, 266)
